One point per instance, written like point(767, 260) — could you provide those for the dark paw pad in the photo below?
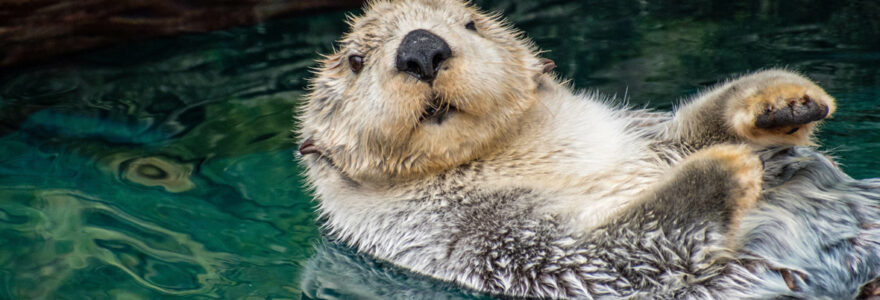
point(797, 112)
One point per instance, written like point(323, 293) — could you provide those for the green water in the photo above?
point(164, 169)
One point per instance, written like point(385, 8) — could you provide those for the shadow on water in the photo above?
point(164, 169)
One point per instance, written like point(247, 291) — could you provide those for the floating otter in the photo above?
point(435, 139)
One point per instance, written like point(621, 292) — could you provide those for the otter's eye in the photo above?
point(356, 62)
point(471, 26)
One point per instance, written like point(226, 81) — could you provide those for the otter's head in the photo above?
point(417, 87)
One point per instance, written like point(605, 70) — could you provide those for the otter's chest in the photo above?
point(584, 186)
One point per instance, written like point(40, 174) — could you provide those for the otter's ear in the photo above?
point(548, 65)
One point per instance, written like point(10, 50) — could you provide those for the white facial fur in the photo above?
point(368, 124)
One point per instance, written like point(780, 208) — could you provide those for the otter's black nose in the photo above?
point(421, 53)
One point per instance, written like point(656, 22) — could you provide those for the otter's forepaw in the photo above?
point(717, 185)
point(739, 165)
point(782, 114)
point(743, 166)
point(795, 113)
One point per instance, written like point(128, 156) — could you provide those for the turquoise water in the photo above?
point(164, 169)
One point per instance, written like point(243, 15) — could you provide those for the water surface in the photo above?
point(164, 169)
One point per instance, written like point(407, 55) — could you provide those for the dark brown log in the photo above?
point(33, 30)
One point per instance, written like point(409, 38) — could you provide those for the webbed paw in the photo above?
point(783, 109)
point(795, 112)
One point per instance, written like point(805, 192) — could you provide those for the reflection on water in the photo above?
point(60, 234)
point(158, 170)
point(164, 169)
point(338, 272)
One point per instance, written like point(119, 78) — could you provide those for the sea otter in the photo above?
point(436, 139)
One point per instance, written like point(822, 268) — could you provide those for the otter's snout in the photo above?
point(421, 53)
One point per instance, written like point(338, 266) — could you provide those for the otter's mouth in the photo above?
point(308, 147)
point(437, 111)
